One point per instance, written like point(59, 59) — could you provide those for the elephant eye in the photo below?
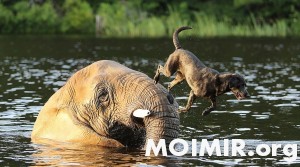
point(103, 95)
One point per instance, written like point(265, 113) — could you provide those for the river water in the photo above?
point(32, 68)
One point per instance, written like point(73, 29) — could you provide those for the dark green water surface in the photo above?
point(33, 68)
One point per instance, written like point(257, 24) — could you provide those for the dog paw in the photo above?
point(182, 110)
point(156, 79)
point(207, 111)
point(204, 113)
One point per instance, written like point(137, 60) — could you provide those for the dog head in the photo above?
point(238, 87)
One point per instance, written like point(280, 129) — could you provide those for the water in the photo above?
point(33, 68)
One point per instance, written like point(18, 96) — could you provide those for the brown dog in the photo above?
point(204, 81)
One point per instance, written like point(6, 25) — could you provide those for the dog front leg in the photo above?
point(158, 71)
point(189, 103)
point(210, 108)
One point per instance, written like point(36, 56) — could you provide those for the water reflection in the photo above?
point(30, 75)
point(71, 155)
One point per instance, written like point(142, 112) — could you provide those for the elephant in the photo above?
point(110, 105)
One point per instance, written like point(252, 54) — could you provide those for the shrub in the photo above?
point(35, 18)
point(6, 20)
point(120, 19)
point(78, 17)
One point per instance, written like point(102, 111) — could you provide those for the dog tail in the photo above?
point(175, 36)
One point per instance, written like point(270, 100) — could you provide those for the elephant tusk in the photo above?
point(141, 113)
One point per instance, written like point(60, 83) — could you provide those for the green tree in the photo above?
point(35, 18)
point(6, 20)
point(78, 17)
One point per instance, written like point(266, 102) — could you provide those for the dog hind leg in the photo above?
point(210, 108)
point(179, 78)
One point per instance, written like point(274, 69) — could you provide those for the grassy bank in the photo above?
point(203, 25)
point(135, 19)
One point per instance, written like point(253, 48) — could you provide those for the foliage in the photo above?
point(157, 18)
point(35, 18)
point(128, 20)
point(78, 17)
point(6, 19)
point(176, 17)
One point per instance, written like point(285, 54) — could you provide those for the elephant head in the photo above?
point(110, 105)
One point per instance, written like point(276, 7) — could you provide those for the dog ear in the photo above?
point(233, 80)
point(223, 82)
point(218, 84)
point(217, 80)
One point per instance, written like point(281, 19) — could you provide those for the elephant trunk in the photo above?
point(163, 124)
